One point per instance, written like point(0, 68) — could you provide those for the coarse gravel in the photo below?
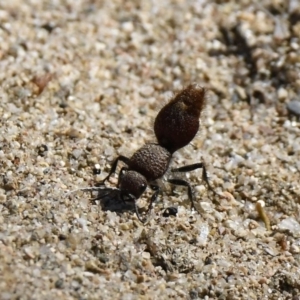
point(81, 83)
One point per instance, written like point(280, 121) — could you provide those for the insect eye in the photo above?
point(142, 186)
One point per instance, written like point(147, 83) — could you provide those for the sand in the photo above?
point(81, 83)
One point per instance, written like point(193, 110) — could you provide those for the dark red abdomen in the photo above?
point(178, 122)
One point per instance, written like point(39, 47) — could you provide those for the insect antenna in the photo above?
point(102, 190)
point(85, 189)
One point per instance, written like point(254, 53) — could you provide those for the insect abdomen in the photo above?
point(178, 122)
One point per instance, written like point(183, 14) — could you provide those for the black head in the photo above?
point(132, 184)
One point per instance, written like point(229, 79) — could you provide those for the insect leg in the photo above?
point(181, 182)
point(193, 167)
point(122, 158)
point(155, 187)
point(121, 174)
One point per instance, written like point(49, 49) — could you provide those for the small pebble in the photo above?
point(170, 211)
point(294, 107)
point(59, 284)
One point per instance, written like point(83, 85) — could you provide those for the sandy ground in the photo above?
point(81, 83)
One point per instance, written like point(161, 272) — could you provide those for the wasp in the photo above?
point(175, 126)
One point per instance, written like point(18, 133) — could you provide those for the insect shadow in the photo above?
point(109, 198)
